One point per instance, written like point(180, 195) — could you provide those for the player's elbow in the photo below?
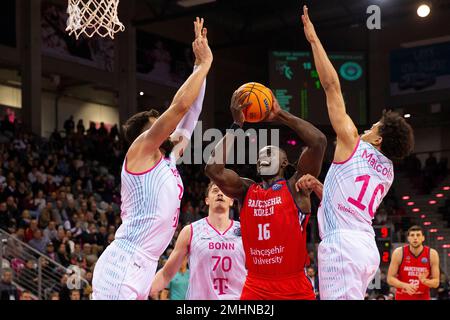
point(331, 84)
point(213, 171)
point(389, 280)
point(181, 105)
point(320, 141)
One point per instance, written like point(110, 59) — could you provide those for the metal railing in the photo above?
point(34, 271)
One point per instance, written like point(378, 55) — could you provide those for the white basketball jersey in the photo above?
point(216, 262)
point(150, 207)
point(354, 189)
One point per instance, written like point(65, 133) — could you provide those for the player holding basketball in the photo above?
point(151, 186)
point(216, 256)
point(355, 185)
point(414, 268)
point(273, 217)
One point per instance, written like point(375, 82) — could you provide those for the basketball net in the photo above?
point(91, 17)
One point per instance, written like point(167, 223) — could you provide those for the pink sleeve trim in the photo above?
point(190, 238)
point(351, 156)
point(144, 172)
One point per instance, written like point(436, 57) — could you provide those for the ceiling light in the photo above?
point(423, 10)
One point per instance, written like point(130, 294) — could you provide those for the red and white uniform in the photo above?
point(274, 237)
point(348, 257)
point(216, 262)
point(409, 271)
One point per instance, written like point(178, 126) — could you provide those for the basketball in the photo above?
point(261, 98)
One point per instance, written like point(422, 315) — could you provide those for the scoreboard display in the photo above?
point(383, 237)
point(295, 83)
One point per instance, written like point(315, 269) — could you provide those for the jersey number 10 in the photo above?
point(358, 202)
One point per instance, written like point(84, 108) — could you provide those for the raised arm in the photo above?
point(183, 100)
point(186, 127)
point(227, 180)
point(173, 264)
point(347, 134)
point(310, 161)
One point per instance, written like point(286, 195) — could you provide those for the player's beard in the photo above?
point(167, 146)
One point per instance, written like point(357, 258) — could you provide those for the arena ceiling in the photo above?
point(234, 22)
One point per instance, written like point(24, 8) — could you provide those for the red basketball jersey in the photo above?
point(409, 271)
point(273, 232)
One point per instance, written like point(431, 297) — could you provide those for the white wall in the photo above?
point(67, 106)
point(10, 96)
point(79, 109)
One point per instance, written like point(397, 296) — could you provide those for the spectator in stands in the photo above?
point(92, 131)
point(59, 215)
point(91, 254)
point(5, 217)
point(180, 282)
point(54, 295)
point(102, 131)
point(50, 232)
point(311, 274)
point(80, 127)
point(114, 132)
point(75, 295)
point(50, 252)
point(45, 217)
point(90, 235)
point(12, 207)
point(39, 242)
point(26, 295)
point(8, 291)
point(63, 255)
point(69, 126)
point(28, 277)
point(64, 291)
point(40, 201)
point(24, 220)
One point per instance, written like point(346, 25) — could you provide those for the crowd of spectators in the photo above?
point(61, 196)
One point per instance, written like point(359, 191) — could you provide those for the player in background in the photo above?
point(273, 216)
point(151, 188)
point(357, 181)
point(216, 257)
point(414, 268)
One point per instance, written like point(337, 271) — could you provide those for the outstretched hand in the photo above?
point(308, 27)
point(200, 45)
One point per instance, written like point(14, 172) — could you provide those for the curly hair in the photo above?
point(397, 134)
point(134, 126)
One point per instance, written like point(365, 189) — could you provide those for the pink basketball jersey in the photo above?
point(354, 189)
point(216, 262)
point(150, 207)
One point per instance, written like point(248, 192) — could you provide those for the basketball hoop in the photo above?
point(93, 17)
